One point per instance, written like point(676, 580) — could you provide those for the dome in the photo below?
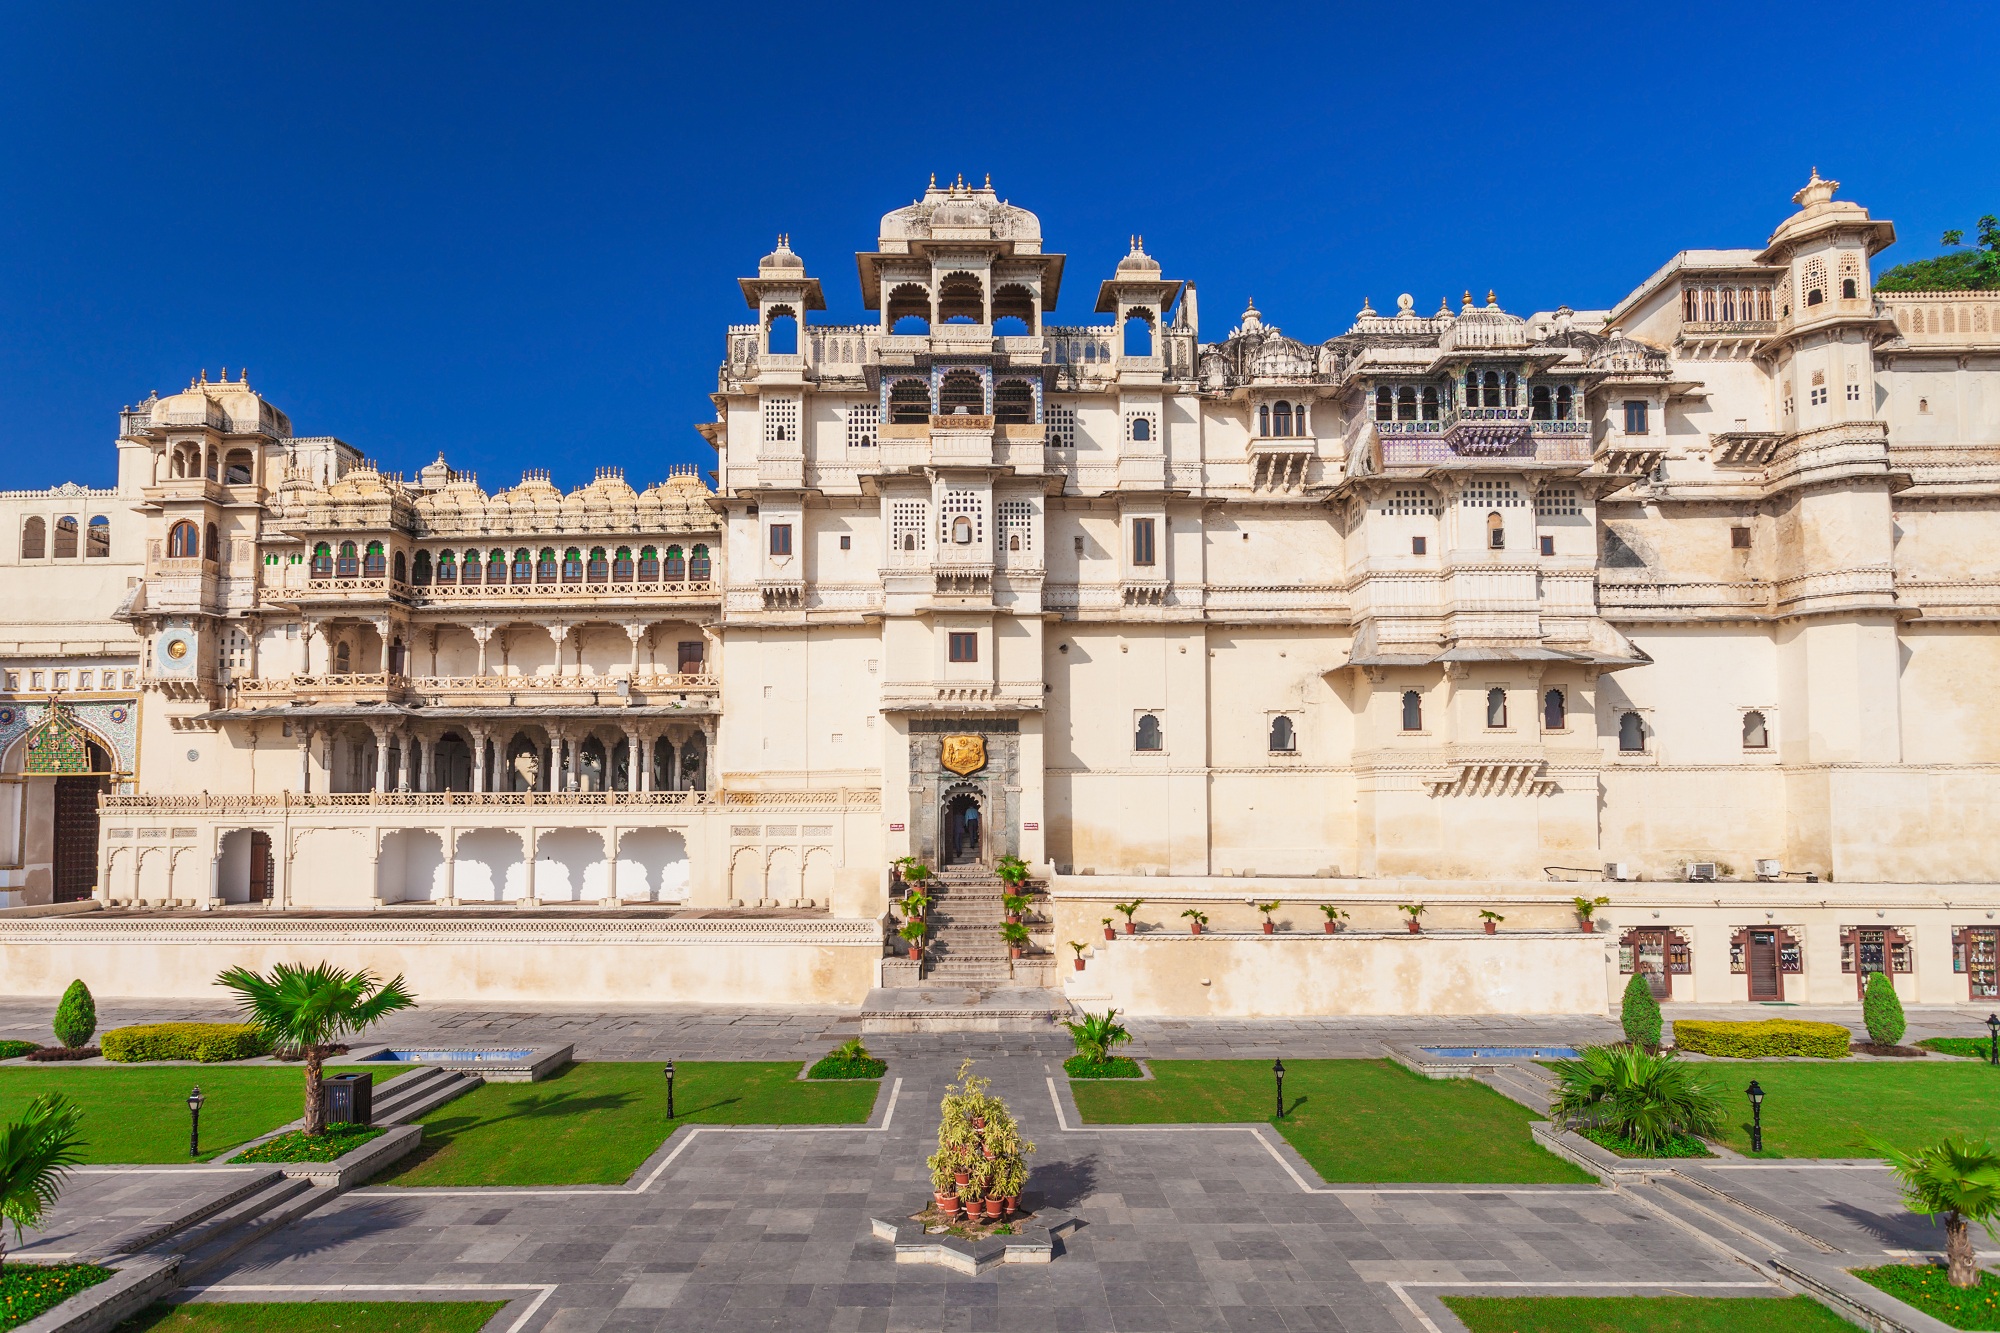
point(781, 260)
point(1484, 326)
point(1138, 264)
point(959, 207)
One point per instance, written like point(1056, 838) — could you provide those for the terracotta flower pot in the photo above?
point(1013, 918)
point(1589, 927)
point(1013, 952)
point(1195, 926)
point(1330, 927)
point(1110, 934)
point(962, 1178)
point(1130, 928)
point(916, 953)
point(1492, 927)
point(1416, 929)
point(993, 1207)
point(1270, 927)
point(946, 1203)
point(1009, 1203)
point(1079, 965)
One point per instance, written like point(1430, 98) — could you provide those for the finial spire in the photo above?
point(1492, 302)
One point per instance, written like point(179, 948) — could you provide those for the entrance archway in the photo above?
point(76, 827)
point(962, 829)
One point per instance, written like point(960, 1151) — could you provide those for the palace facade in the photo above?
point(1690, 603)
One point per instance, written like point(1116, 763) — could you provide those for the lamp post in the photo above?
point(195, 1099)
point(1756, 1095)
point(670, 1089)
point(1278, 1072)
point(1993, 1026)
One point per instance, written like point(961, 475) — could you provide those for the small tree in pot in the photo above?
point(1586, 911)
point(1196, 919)
point(1016, 936)
point(1109, 933)
point(1334, 916)
point(913, 935)
point(1129, 909)
point(1413, 911)
point(1079, 947)
point(1267, 908)
point(916, 906)
point(1492, 921)
point(1011, 870)
point(979, 1146)
point(1015, 905)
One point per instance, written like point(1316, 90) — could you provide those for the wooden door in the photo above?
point(1649, 959)
point(260, 867)
point(76, 836)
point(1761, 961)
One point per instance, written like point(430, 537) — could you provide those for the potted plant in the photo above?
point(1016, 936)
point(914, 872)
point(1079, 947)
point(916, 905)
point(944, 1183)
point(1586, 910)
point(1334, 916)
point(913, 935)
point(981, 1147)
point(1016, 905)
point(1492, 920)
point(1011, 870)
point(1128, 909)
point(1196, 919)
point(1270, 927)
point(1413, 911)
point(1008, 1178)
point(1109, 934)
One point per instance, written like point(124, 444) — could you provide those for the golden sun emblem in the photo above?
point(963, 754)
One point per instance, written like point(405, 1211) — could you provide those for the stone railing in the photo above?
point(398, 686)
point(279, 802)
point(1945, 318)
point(495, 923)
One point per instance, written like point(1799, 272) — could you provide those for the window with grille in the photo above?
point(1814, 281)
point(1062, 427)
point(961, 504)
point(1484, 494)
point(1558, 502)
point(1416, 503)
point(781, 420)
point(906, 525)
point(1017, 525)
point(1141, 429)
point(235, 654)
point(862, 420)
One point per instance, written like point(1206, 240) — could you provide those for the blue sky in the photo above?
point(511, 233)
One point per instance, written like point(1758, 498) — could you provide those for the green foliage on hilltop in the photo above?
point(1962, 270)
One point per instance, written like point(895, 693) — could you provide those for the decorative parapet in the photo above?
point(377, 928)
point(286, 802)
point(1493, 777)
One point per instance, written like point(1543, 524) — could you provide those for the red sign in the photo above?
point(895, 828)
point(1031, 827)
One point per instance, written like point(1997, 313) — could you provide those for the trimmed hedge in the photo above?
point(1755, 1041)
point(209, 1043)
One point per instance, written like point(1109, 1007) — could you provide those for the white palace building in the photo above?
point(1692, 604)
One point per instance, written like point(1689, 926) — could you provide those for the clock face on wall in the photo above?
point(176, 652)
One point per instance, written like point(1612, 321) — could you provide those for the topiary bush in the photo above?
point(76, 1016)
point(1882, 1011)
point(1640, 1014)
point(1754, 1041)
point(209, 1043)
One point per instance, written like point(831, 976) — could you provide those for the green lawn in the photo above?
point(1354, 1120)
point(595, 1123)
point(140, 1114)
point(1654, 1314)
point(1928, 1288)
point(315, 1317)
point(1832, 1110)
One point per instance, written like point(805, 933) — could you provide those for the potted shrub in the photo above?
point(1492, 921)
point(980, 1145)
point(1011, 870)
point(1586, 910)
point(1079, 953)
point(1008, 1178)
point(1334, 916)
point(1016, 936)
point(1413, 911)
point(913, 935)
point(916, 905)
point(1270, 927)
point(1109, 934)
point(1129, 909)
point(944, 1184)
point(1016, 905)
point(1196, 919)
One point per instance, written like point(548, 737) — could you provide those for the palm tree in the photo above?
point(1647, 1099)
point(1097, 1034)
point(312, 1008)
point(36, 1153)
point(1959, 1178)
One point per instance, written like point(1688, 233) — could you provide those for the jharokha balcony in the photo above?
point(695, 691)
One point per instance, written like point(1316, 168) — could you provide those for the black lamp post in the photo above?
point(1993, 1026)
point(670, 1089)
point(1756, 1095)
point(1278, 1072)
point(195, 1099)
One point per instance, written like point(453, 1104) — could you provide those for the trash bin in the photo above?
point(349, 1099)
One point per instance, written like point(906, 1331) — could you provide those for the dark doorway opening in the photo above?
point(962, 832)
point(76, 828)
point(260, 867)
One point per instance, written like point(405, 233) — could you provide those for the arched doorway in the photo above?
point(76, 826)
point(962, 830)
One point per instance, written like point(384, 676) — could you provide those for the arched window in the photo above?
point(1565, 401)
point(343, 660)
point(496, 566)
point(399, 569)
point(1385, 404)
point(909, 403)
point(1513, 390)
point(447, 567)
point(961, 391)
point(375, 564)
point(1555, 711)
point(1756, 734)
point(781, 334)
point(1281, 419)
point(1430, 402)
point(65, 544)
point(1496, 532)
point(1283, 739)
point(183, 541)
point(698, 566)
point(322, 561)
point(524, 566)
point(1814, 280)
point(1148, 736)
point(1472, 388)
point(1631, 733)
point(1492, 388)
point(1413, 711)
point(349, 564)
point(676, 565)
point(1013, 304)
point(1014, 403)
point(600, 566)
point(1847, 289)
point(35, 538)
point(236, 468)
point(1406, 403)
point(211, 546)
point(1014, 541)
point(1142, 429)
point(547, 569)
point(961, 299)
point(621, 565)
point(961, 531)
point(1496, 707)
point(1264, 421)
point(649, 564)
point(1540, 405)
point(1138, 335)
point(97, 539)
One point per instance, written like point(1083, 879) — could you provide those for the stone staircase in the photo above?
point(405, 1100)
point(966, 950)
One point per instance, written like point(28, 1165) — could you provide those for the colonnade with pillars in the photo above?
point(543, 755)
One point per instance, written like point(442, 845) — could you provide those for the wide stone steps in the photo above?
point(405, 1100)
point(236, 1228)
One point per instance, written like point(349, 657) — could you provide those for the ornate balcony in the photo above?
point(697, 690)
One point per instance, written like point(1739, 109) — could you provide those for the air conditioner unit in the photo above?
point(1701, 871)
point(1617, 870)
point(1769, 869)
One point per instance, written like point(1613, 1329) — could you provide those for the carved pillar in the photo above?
point(385, 630)
point(408, 774)
point(611, 866)
point(481, 633)
point(557, 633)
point(635, 633)
point(304, 735)
point(528, 836)
point(546, 779)
point(478, 758)
point(632, 757)
point(645, 762)
point(430, 777)
point(451, 867)
point(381, 759)
point(307, 628)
